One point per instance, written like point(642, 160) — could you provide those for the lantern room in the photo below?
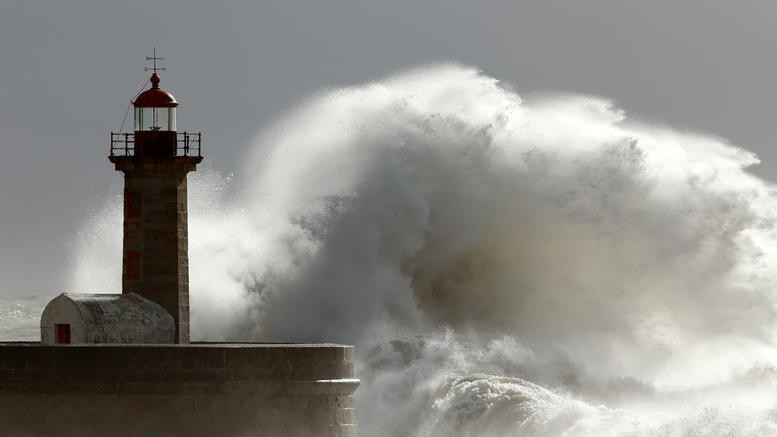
point(155, 109)
point(156, 121)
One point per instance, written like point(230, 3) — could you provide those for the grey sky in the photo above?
point(69, 68)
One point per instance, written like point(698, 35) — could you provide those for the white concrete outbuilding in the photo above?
point(105, 318)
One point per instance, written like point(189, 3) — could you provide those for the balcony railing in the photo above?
point(186, 144)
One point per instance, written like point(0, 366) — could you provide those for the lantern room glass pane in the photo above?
point(173, 119)
point(146, 118)
point(161, 119)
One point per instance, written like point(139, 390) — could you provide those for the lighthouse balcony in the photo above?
point(156, 143)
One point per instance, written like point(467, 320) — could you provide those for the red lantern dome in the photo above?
point(155, 97)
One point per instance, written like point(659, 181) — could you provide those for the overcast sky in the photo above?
point(69, 68)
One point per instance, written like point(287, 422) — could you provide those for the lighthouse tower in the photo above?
point(155, 160)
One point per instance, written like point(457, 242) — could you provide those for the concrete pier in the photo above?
point(199, 389)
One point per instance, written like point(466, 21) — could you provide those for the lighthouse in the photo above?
point(133, 347)
point(155, 160)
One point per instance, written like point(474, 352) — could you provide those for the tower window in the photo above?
point(63, 333)
point(132, 204)
point(133, 265)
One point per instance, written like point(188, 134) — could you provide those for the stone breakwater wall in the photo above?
point(199, 389)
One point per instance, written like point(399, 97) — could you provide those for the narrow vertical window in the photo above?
point(133, 265)
point(132, 204)
point(63, 333)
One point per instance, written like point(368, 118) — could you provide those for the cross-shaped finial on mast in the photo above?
point(154, 58)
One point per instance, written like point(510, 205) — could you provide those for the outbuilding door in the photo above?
point(63, 333)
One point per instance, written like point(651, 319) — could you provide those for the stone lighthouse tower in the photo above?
point(155, 160)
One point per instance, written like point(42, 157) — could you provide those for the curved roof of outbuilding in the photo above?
point(155, 97)
point(101, 308)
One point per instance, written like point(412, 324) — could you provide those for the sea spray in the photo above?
point(504, 266)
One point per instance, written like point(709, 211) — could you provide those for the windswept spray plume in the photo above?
point(504, 266)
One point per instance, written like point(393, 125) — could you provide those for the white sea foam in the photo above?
point(504, 266)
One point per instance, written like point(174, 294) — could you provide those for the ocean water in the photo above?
point(505, 265)
point(20, 317)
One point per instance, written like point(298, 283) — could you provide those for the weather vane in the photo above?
point(154, 59)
